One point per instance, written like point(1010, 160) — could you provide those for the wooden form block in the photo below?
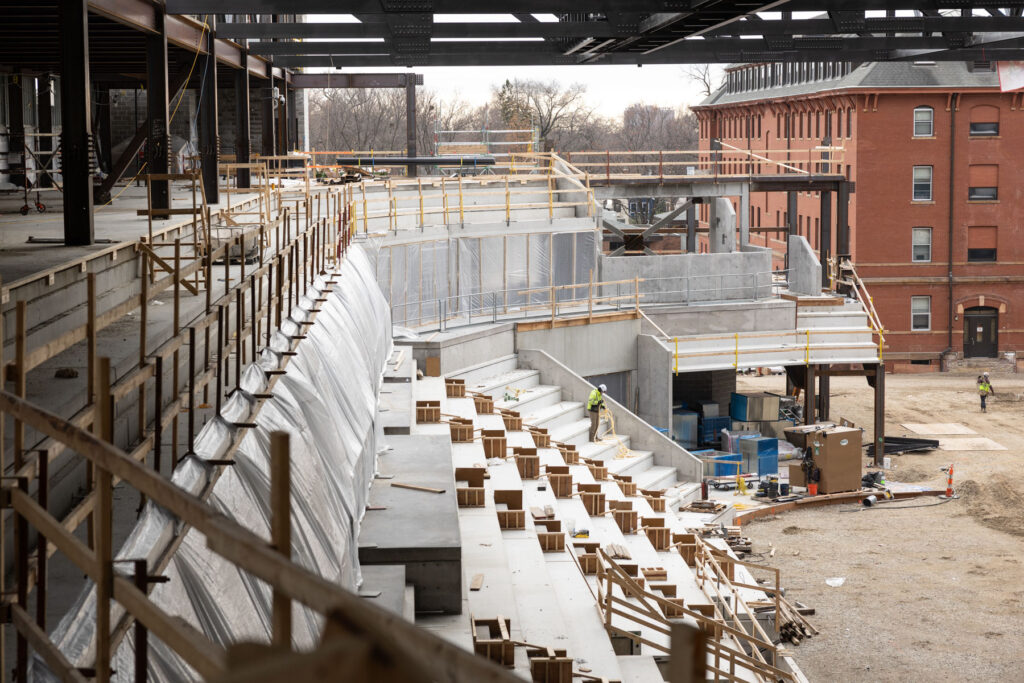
point(553, 539)
point(594, 503)
point(569, 453)
point(669, 590)
point(491, 639)
point(541, 438)
point(659, 535)
point(687, 545)
point(654, 498)
point(597, 469)
point(494, 443)
point(455, 388)
point(473, 494)
point(513, 421)
point(428, 411)
point(586, 553)
point(706, 610)
point(560, 480)
point(484, 404)
point(527, 462)
point(462, 429)
point(725, 562)
point(512, 515)
point(626, 484)
point(433, 366)
point(627, 520)
point(672, 608)
point(550, 666)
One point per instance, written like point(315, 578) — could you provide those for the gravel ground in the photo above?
point(934, 592)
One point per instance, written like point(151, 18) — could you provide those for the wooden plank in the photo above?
point(414, 487)
point(41, 644)
point(477, 583)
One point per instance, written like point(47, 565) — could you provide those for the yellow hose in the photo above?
point(623, 450)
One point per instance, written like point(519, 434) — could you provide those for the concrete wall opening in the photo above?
point(981, 332)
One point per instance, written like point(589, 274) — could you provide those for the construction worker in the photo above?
point(594, 404)
point(984, 390)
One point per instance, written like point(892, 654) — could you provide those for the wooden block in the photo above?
point(551, 542)
point(511, 519)
point(627, 486)
point(511, 498)
point(588, 488)
point(594, 503)
point(491, 639)
point(513, 421)
point(569, 453)
point(672, 608)
point(561, 484)
point(477, 583)
point(627, 520)
point(414, 487)
point(541, 438)
point(549, 524)
point(433, 368)
point(494, 443)
point(620, 504)
point(660, 537)
point(669, 590)
point(655, 573)
point(473, 476)
point(618, 551)
point(470, 497)
point(455, 388)
point(484, 404)
point(528, 466)
point(657, 504)
point(653, 521)
point(462, 429)
point(598, 471)
point(550, 666)
point(588, 563)
point(428, 411)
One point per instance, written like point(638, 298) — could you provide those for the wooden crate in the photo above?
point(627, 520)
point(594, 503)
point(657, 504)
point(626, 484)
point(655, 573)
point(672, 608)
point(462, 429)
point(569, 453)
point(491, 639)
point(513, 516)
point(687, 546)
point(484, 404)
point(586, 554)
point(597, 470)
point(494, 443)
point(511, 519)
point(428, 411)
point(513, 421)
point(541, 438)
point(455, 388)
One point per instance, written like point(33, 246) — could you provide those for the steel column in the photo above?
point(809, 402)
point(76, 105)
point(158, 138)
point(242, 140)
point(269, 146)
point(879, 433)
point(410, 121)
point(842, 221)
point(824, 393)
point(691, 229)
point(209, 140)
point(104, 142)
point(16, 130)
point(44, 107)
point(293, 119)
point(282, 116)
point(791, 224)
point(825, 238)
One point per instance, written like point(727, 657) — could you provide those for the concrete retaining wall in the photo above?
point(804, 268)
point(642, 436)
point(694, 278)
point(595, 349)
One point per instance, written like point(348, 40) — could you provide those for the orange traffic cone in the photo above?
point(949, 484)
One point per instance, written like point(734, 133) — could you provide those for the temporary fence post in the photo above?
point(280, 501)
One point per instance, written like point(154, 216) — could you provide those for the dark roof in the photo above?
point(871, 75)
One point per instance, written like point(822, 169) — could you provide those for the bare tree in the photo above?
point(703, 77)
point(551, 106)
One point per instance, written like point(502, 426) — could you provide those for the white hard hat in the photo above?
point(602, 388)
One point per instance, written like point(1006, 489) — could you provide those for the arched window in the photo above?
point(924, 122)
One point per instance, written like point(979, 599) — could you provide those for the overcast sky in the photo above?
point(609, 88)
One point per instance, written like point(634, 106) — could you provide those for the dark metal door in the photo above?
point(981, 333)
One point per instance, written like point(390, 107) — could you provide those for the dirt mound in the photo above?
point(912, 475)
point(998, 505)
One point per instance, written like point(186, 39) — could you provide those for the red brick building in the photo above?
point(935, 151)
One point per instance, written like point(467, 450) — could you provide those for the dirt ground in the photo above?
point(932, 592)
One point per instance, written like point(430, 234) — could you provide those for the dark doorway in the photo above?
point(981, 332)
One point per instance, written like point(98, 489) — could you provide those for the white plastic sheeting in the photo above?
point(480, 274)
point(327, 401)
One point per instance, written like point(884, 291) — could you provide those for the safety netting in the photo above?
point(327, 402)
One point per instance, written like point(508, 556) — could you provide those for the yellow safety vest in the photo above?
point(595, 401)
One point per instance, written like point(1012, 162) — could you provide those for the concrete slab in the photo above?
point(417, 529)
point(938, 428)
point(396, 408)
point(979, 443)
point(387, 581)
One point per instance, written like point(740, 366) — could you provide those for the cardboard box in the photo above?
point(796, 474)
point(837, 453)
point(798, 435)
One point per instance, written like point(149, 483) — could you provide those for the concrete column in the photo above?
point(158, 136)
point(76, 122)
point(243, 144)
point(44, 107)
point(410, 120)
point(722, 233)
point(744, 217)
point(209, 137)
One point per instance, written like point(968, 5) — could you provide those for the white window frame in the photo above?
point(914, 182)
point(914, 232)
point(913, 313)
point(930, 122)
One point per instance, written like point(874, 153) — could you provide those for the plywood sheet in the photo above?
point(936, 428)
point(979, 443)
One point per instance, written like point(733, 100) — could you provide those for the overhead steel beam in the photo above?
point(383, 80)
point(510, 29)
